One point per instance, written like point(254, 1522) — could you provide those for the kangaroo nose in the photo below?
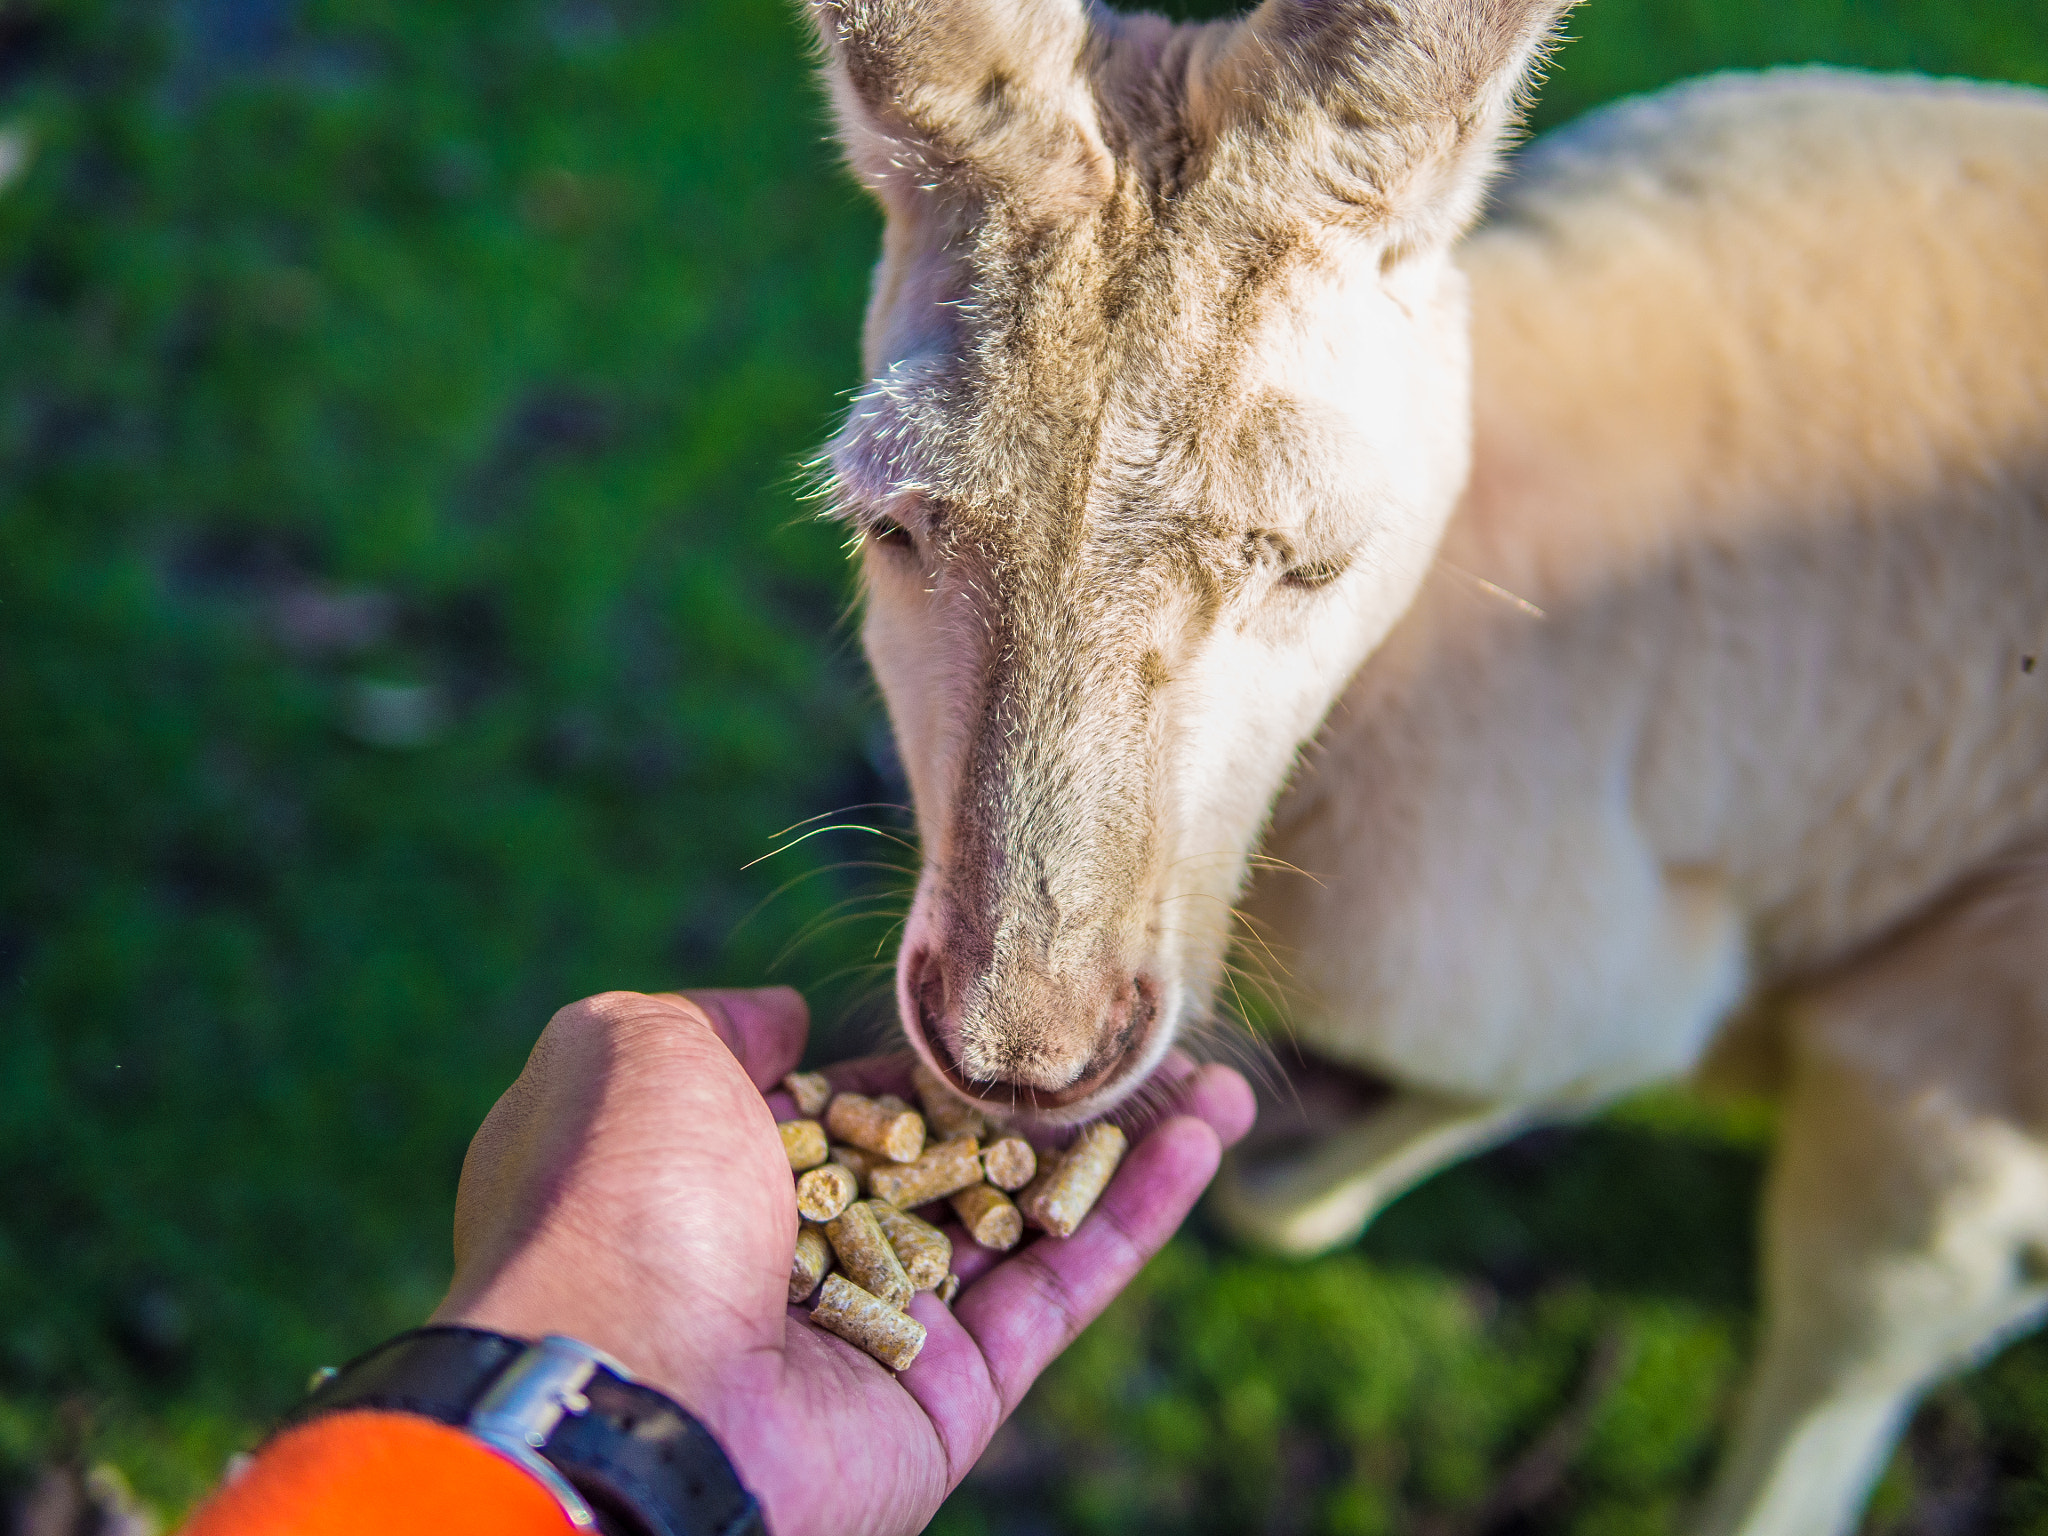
point(930, 1018)
point(1015, 1034)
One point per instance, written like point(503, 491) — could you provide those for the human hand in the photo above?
point(630, 1190)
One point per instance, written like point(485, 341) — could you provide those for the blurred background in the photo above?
point(410, 620)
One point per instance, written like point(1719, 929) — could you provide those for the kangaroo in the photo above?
point(1199, 450)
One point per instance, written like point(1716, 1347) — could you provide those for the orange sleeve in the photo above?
point(391, 1473)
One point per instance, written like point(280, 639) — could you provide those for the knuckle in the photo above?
point(966, 1438)
point(610, 1013)
point(600, 1007)
point(1057, 1296)
point(1116, 1225)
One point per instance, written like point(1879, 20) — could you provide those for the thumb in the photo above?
point(764, 1027)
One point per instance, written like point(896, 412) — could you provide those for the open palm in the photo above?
point(630, 1190)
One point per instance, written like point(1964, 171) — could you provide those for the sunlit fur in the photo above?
point(1187, 419)
point(1761, 427)
point(1169, 404)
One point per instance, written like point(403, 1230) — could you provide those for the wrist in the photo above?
point(735, 1398)
point(534, 1301)
point(616, 1454)
point(728, 1398)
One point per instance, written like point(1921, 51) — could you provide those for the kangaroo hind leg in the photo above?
point(1906, 1217)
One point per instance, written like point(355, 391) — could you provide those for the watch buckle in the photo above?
point(535, 1393)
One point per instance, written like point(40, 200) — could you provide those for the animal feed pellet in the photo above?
point(882, 1251)
point(803, 1141)
point(895, 1132)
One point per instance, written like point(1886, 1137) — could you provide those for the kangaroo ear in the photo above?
point(976, 96)
point(1392, 109)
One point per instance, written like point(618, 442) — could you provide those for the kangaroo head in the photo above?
point(1168, 406)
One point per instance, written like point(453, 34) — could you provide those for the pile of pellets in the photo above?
point(848, 1145)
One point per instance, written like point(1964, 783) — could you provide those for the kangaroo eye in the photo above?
point(887, 531)
point(1313, 574)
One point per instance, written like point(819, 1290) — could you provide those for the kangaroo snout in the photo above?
point(1023, 1036)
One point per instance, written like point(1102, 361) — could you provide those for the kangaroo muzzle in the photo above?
point(1016, 1034)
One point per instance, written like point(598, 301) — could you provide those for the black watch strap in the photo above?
point(636, 1462)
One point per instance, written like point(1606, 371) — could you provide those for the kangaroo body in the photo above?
point(1761, 426)
point(1658, 580)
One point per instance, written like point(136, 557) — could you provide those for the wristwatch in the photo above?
point(619, 1457)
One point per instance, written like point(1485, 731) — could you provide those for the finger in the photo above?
point(1026, 1310)
point(873, 1074)
point(1220, 1096)
point(1182, 1086)
point(970, 1260)
point(764, 1027)
point(951, 1382)
point(1159, 1097)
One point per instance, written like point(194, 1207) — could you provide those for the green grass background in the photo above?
point(468, 352)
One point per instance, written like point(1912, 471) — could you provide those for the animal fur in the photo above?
point(1190, 419)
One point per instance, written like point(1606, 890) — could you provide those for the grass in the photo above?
point(409, 622)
